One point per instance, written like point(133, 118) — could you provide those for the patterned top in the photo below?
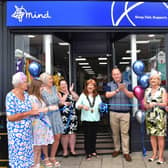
point(89, 115)
point(155, 117)
point(119, 98)
point(19, 132)
point(42, 132)
point(69, 116)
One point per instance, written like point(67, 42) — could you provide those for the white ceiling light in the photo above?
point(31, 36)
point(80, 59)
point(102, 63)
point(83, 63)
point(91, 73)
point(102, 58)
point(86, 67)
point(126, 58)
point(151, 35)
point(129, 51)
point(89, 69)
point(63, 44)
point(143, 42)
point(124, 62)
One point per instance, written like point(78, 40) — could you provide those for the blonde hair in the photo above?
point(18, 78)
point(156, 76)
point(44, 77)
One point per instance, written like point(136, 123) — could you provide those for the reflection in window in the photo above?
point(153, 53)
point(29, 48)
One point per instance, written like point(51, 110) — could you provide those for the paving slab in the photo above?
point(107, 161)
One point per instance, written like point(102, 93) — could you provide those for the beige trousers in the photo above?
point(120, 123)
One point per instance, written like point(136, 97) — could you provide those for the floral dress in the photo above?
point(20, 137)
point(155, 117)
point(42, 132)
point(69, 116)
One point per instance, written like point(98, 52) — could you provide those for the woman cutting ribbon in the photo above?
point(88, 103)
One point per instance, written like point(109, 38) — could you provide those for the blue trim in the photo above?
point(87, 14)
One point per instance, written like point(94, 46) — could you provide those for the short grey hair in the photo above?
point(18, 78)
point(44, 77)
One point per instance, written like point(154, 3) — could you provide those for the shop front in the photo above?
point(77, 40)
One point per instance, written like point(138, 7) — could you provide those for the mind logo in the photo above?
point(21, 13)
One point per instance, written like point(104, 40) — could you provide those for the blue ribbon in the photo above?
point(142, 136)
point(103, 107)
point(41, 116)
point(123, 105)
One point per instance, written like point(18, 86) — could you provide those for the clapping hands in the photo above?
point(121, 86)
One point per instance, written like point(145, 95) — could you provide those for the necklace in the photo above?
point(91, 104)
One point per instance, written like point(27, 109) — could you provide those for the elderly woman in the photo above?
point(88, 103)
point(19, 124)
point(50, 97)
point(69, 117)
point(155, 101)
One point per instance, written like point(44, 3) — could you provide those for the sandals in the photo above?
point(160, 162)
point(73, 153)
point(88, 157)
point(65, 156)
point(152, 159)
point(54, 162)
point(47, 163)
point(36, 166)
point(94, 154)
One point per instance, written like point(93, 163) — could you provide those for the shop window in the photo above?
point(31, 48)
point(152, 53)
point(150, 49)
point(28, 48)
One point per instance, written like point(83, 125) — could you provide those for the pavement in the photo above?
point(106, 161)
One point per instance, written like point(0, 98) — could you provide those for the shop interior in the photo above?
point(90, 55)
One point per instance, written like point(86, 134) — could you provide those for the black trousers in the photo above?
point(90, 129)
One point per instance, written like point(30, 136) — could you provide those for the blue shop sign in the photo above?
point(87, 14)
